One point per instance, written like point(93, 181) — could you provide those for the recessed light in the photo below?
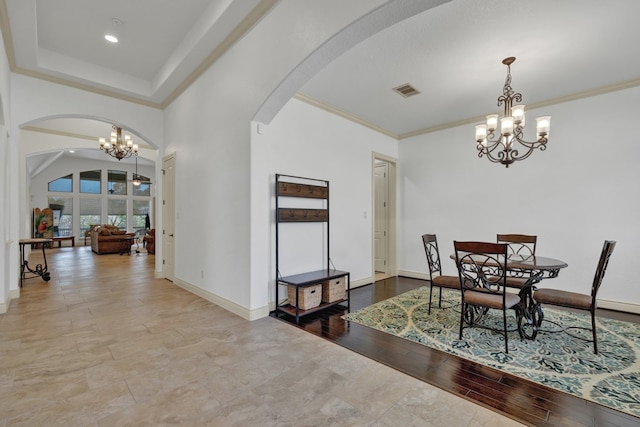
point(72, 151)
point(112, 39)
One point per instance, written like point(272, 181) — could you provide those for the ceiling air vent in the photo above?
point(406, 90)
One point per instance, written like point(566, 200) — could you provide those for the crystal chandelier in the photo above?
point(502, 148)
point(117, 146)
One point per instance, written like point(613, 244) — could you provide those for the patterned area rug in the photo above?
point(555, 358)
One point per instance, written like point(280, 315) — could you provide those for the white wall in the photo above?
point(208, 127)
point(8, 257)
point(579, 192)
point(309, 142)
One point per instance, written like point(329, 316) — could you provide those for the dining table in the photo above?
point(534, 269)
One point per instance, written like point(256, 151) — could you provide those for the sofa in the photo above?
point(149, 241)
point(108, 239)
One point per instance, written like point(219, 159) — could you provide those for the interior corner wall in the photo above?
point(309, 142)
point(8, 247)
point(208, 127)
point(579, 192)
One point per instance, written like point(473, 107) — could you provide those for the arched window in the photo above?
point(64, 184)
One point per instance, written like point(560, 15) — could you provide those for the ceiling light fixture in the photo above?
point(111, 38)
point(501, 148)
point(136, 178)
point(117, 146)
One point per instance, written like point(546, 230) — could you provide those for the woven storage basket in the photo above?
point(333, 290)
point(308, 296)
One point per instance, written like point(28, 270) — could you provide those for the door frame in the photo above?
point(168, 194)
point(392, 266)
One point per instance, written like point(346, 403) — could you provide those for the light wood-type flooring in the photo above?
point(104, 343)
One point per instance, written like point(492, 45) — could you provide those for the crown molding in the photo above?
point(6, 34)
point(258, 12)
point(316, 103)
point(468, 121)
point(236, 34)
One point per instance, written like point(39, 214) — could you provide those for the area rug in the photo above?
point(555, 358)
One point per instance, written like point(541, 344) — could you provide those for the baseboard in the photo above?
point(619, 306)
point(606, 304)
point(413, 275)
point(13, 294)
point(230, 306)
point(362, 282)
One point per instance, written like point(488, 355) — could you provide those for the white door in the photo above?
point(381, 216)
point(168, 217)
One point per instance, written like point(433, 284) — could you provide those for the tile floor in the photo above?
point(105, 344)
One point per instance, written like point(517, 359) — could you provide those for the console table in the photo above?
point(59, 239)
point(39, 270)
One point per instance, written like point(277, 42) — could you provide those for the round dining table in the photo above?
point(535, 269)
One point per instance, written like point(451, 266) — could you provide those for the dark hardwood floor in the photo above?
point(514, 397)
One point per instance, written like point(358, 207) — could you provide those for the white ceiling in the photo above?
point(452, 54)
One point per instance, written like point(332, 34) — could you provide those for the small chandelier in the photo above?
point(502, 148)
point(117, 146)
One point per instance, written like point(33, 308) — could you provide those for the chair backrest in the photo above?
point(481, 265)
point(607, 250)
point(430, 243)
point(519, 244)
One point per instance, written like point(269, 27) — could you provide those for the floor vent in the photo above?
point(406, 90)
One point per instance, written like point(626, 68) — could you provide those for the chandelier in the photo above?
point(117, 146)
point(509, 145)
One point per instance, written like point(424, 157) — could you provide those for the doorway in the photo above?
point(384, 208)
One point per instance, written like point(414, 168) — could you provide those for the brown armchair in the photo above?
point(149, 241)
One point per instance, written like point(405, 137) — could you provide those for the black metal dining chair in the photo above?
point(482, 274)
point(523, 245)
point(436, 278)
point(577, 300)
point(519, 244)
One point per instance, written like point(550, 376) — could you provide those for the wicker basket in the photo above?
point(308, 296)
point(333, 290)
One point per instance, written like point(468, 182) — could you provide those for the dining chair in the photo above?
point(522, 245)
point(577, 300)
point(436, 278)
point(482, 274)
point(519, 244)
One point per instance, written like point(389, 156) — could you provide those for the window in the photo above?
point(117, 213)
point(140, 215)
point(144, 189)
point(90, 181)
point(62, 215)
point(90, 213)
point(64, 184)
point(117, 182)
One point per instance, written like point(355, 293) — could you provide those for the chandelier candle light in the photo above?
point(502, 148)
point(119, 147)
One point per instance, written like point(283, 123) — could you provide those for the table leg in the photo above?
point(39, 270)
point(528, 313)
